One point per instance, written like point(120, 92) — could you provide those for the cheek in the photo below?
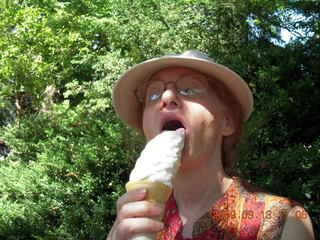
point(147, 124)
point(200, 122)
point(207, 125)
point(209, 128)
point(204, 120)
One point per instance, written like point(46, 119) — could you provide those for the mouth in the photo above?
point(172, 125)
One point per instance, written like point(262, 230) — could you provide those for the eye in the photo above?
point(153, 96)
point(190, 91)
point(190, 85)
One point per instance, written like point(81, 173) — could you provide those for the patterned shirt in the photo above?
point(242, 213)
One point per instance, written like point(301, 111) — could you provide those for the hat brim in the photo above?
point(128, 107)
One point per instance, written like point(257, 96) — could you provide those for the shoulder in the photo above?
point(270, 201)
point(282, 217)
point(298, 225)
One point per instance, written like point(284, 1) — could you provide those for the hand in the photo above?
point(134, 216)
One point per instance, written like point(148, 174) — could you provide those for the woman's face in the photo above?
point(205, 119)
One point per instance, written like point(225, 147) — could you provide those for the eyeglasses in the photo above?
point(190, 86)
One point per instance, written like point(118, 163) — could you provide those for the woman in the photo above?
point(207, 202)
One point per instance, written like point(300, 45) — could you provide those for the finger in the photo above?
point(140, 209)
point(131, 226)
point(132, 196)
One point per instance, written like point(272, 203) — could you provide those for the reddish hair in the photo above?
point(229, 143)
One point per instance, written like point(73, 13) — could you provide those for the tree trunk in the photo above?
point(47, 96)
point(17, 103)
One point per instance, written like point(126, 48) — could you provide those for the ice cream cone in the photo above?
point(156, 191)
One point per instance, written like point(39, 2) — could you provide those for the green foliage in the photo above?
point(281, 148)
point(68, 164)
point(66, 169)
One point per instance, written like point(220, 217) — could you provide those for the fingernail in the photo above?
point(158, 226)
point(158, 209)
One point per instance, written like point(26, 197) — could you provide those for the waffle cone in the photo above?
point(156, 191)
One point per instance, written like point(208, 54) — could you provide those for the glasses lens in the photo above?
point(191, 85)
point(154, 90)
point(150, 91)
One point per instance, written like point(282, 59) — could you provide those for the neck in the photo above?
point(197, 188)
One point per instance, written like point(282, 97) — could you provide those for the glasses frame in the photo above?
point(202, 78)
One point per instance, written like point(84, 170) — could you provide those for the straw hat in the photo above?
point(129, 108)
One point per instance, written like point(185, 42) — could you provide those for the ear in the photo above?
point(229, 125)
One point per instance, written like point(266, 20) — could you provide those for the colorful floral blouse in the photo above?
point(242, 213)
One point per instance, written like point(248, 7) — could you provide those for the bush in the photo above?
point(66, 168)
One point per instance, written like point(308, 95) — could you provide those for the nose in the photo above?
point(170, 98)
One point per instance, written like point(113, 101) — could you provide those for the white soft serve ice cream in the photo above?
point(160, 159)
